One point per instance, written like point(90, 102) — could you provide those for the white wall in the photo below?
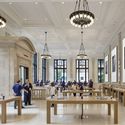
point(4, 70)
point(11, 57)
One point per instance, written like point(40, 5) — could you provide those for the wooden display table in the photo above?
point(116, 93)
point(4, 107)
point(78, 100)
point(107, 90)
point(94, 92)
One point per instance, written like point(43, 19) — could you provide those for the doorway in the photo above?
point(23, 73)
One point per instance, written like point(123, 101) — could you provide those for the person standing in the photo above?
point(52, 91)
point(30, 93)
point(17, 91)
point(26, 91)
point(91, 85)
point(74, 88)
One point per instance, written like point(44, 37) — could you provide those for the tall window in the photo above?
point(101, 70)
point(35, 67)
point(60, 69)
point(44, 70)
point(82, 70)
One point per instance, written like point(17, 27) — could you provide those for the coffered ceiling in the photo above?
point(31, 18)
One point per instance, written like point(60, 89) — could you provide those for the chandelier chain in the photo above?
point(82, 48)
point(45, 37)
point(79, 5)
point(76, 5)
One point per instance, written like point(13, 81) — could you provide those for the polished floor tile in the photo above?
point(67, 114)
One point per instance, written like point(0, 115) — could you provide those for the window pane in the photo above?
point(100, 70)
point(87, 75)
point(35, 67)
point(82, 68)
point(44, 70)
point(60, 70)
point(82, 75)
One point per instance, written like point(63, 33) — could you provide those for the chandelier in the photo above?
point(2, 22)
point(45, 54)
point(81, 17)
point(82, 53)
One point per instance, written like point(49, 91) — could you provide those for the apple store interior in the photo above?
point(62, 62)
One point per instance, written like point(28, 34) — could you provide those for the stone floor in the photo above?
point(67, 115)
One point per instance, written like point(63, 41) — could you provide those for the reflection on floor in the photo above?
point(67, 114)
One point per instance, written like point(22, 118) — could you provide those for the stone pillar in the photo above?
point(120, 59)
point(93, 69)
point(109, 65)
point(39, 67)
point(68, 69)
point(50, 71)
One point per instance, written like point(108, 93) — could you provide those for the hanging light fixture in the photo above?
point(81, 17)
point(2, 22)
point(82, 54)
point(46, 54)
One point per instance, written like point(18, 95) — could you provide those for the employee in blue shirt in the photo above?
point(17, 91)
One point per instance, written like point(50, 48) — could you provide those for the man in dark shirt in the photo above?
point(17, 88)
point(30, 93)
point(90, 83)
point(27, 86)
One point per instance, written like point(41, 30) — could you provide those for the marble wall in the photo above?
point(4, 70)
point(12, 55)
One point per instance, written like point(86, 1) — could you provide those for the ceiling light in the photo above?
point(81, 17)
point(45, 54)
point(36, 3)
point(100, 2)
point(62, 2)
point(10, 3)
point(67, 19)
point(2, 22)
point(25, 19)
point(45, 19)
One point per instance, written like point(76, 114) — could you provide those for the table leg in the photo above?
point(99, 93)
point(109, 109)
point(124, 98)
point(103, 89)
point(117, 94)
point(48, 112)
point(3, 109)
point(116, 113)
point(82, 112)
point(19, 102)
point(94, 94)
point(113, 93)
point(55, 109)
